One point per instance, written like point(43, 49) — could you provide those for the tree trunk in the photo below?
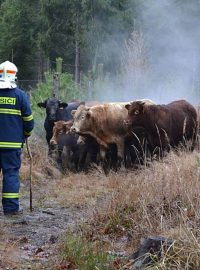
point(40, 66)
point(77, 63)
point(55, 85)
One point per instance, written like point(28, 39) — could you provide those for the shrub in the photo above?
point(68, 90)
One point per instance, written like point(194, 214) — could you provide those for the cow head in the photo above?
point(82, 119)
point(136, 112)
point(81, 140)
point(60, 127)
point(52, 105)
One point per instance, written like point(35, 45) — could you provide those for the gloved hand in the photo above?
point(26, 134)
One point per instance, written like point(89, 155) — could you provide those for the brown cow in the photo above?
point(60, 127)
point(198, 118)
point(164, 125)
point(103, 122)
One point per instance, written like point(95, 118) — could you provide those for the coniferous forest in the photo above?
point(93, 213)
point(138, 48)
point(35, 33)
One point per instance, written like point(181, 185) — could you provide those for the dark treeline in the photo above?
point(91, 33)
point(35, 33)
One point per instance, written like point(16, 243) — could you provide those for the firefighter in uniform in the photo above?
point(16, 124)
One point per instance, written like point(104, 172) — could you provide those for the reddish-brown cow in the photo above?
point(165, 125)
point(60, 127)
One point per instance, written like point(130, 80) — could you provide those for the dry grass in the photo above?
point(162, 199)
point(159, 200)
point(42, 165)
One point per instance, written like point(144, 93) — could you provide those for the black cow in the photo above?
point(73, 152)
point(73, 156)
point(90, 150)
point(68, 151)
point(55, 111)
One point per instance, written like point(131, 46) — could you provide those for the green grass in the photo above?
point(82, 255)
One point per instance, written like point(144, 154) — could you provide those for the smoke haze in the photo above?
point(161, 60)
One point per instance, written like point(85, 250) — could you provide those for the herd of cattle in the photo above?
point(112, 134)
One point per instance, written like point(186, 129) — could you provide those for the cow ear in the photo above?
point(65, 127)
point(68, 124)
point(73, 112)
point(141, 106)
point(42, 104)
point(63, 104)
point(89, 113)
point(127, 106)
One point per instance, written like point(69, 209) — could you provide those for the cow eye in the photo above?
point(82, 117)
point(136, 112)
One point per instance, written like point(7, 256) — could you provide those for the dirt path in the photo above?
point(30, 241)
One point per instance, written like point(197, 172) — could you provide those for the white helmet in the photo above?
point(8, 75)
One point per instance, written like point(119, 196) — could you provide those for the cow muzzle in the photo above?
point(127, 122)
point(51, 117)
point(73, 129)
point(53, 142)
point(81, 140)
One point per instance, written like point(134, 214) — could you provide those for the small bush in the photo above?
point(79, 254)
point(68, 90)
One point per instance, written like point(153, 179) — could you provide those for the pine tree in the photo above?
point(18, 43)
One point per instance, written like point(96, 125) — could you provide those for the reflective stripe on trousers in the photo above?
point(10, 162)
point(10, 195)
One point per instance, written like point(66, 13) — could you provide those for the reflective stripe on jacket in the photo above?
point(16, 120)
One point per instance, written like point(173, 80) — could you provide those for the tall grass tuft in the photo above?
point(79, 254)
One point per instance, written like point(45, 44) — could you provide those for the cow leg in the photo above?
point(69, 159)
point(65, 159)
point(82, 157)
point(51, 149)
point(93, 152)
point(193, 139)
point(155, 146)
point(132, 152)
point(48, 128)
point(76, 160)
point(147, 153)
point(59, 156)
point(128, 160)
point(90, 159)
point(111, 156)
point(93, 156)
point(104, 160)
point(102, 152)
point(120, 153)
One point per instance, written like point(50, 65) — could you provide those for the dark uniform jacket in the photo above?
point(16, 120)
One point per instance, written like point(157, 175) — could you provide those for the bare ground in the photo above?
point(30, 241)
point(60, 203)
point(158, 200)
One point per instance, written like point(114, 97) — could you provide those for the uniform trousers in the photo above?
point(10, 163)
